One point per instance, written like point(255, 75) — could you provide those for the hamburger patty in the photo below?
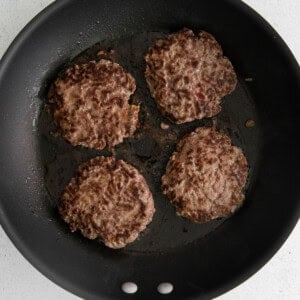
point(206, 176)
point(188, 75)
point(109, 200)
point(91, 104)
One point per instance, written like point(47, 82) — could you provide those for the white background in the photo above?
point(279, 279)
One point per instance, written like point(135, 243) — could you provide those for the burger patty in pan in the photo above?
point(108, 200)
point(91, 104)
point(205, 176)
point(188, 75)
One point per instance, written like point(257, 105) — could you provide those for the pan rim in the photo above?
point(64, 282)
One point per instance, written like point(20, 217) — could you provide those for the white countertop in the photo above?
point(278, 279)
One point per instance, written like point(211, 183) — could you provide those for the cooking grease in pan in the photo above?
point(151, 146)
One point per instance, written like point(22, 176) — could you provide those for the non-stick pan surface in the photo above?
point(201, 261)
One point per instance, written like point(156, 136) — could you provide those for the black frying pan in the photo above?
point(201, 261)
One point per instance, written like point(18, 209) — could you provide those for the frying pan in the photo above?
point(200, 261)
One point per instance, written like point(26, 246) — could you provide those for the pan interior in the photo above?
point(150, 148)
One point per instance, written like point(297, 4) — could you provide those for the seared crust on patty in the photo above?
point(206, 176)
point(91, 104)
point(109, 200)
point(188, 75)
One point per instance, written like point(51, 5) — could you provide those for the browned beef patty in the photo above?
point(109, 200)
point(91, 104)
point(206, 176)
point(188, 75)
